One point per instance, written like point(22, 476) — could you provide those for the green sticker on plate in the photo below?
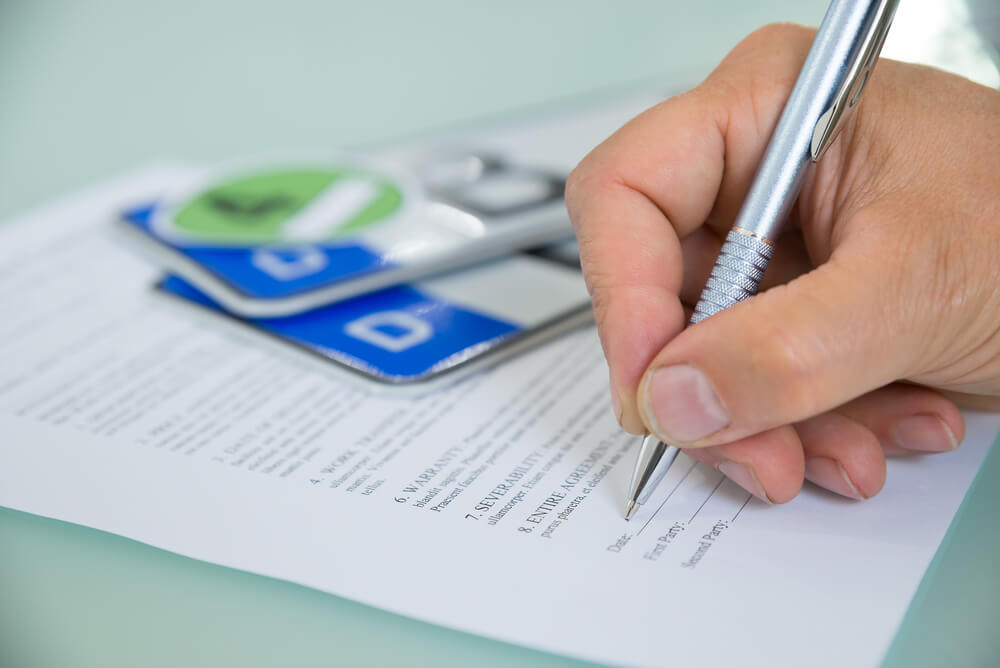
point(309, 204)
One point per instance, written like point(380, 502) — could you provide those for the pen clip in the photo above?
point(846, 99)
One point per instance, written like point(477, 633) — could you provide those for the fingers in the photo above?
point(829, 450)
point(845, 449)
point(633, 199)
point(842, 450)
point(633, 274)
point(909, 419)
point(769, 465)
point(842, 455)
point(629, 250)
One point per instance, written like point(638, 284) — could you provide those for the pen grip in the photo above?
point(736, 274)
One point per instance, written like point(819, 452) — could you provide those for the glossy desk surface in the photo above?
point(89, 89)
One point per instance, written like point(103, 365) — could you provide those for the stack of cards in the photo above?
point(405, 273)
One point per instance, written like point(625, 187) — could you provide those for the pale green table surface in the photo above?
point(90, 89)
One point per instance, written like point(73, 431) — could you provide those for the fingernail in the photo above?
point(682, 405)
point(616, 404)
point(828, 473)
point(924, 433)
point(743, 476)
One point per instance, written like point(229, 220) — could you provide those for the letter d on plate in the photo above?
point(394, 331)
point(289, 264)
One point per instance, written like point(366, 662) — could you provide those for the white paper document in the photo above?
point(493, 506)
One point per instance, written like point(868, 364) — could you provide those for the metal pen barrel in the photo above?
point(825, 77)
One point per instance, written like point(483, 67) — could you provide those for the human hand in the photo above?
point(885, 284)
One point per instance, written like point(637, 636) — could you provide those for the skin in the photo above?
point(880, 313)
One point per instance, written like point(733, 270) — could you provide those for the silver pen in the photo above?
point(828, 88)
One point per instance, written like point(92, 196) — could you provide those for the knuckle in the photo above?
point(950, 286)
point(757, 76)
point(596, 277)
point(599, 302)
point(573, 185)
point(786, 361)
point(776, 38)
point(586, 181)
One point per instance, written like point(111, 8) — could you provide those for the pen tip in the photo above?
point(630, 509)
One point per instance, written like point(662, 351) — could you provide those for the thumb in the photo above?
point(785, 355)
